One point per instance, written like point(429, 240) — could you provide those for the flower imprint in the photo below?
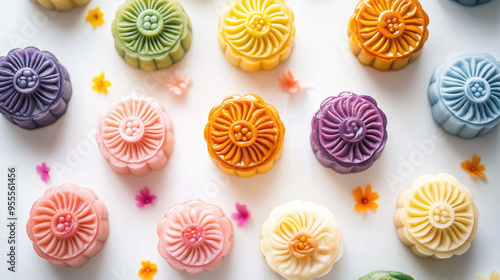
point(152, 34)
point(34, 88)
point(387, 34)
point(68, 225)
point(61, 5)
point(256, 35)
point(348, 132)
point(301, 240)
point(465, 94)
point(437, 217)
point(135, 135)
point(195, 236)
point(244, 135)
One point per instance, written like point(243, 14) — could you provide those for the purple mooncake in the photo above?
point(34, 88)
point(348, 132)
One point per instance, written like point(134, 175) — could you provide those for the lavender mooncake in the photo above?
point(34, 88)
point(348, 132)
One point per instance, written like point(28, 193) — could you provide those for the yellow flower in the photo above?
point(366, 200)
point(148, 270)
point(474, 168)
point(100, 85)
point(95, 17)
point(495, 275)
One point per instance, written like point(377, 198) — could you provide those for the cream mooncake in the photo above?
point(195, 236)
point(68, 225)
point(244, 135)
point(436, 217)
point(135, 135)
point(301, 240)
point(61, 5)
point(256, 34)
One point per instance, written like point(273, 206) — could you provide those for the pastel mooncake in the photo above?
point(256, 34)
point(436, 217)
point(388, 34)
point(244, 135)
point(464, 93)
point(151, 34)
point(61, 5)
point(301, 240)
point(386, 275)
point(68, 225)
point(135, 135)
point(471, 2)
point(34, 88)
point(195, 236)
point(348, 132)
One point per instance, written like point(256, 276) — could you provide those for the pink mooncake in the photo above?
point(195, 236)
point(135, 135)
point(68, 225)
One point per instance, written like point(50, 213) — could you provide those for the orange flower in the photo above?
point(366, 200)
point(474, 168)
point(148, 270)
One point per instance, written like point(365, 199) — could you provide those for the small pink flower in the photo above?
point(289, 83)
point(144, 198)
point(242, 216)
point(178, 83)
point(43, 170)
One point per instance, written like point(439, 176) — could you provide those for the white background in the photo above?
point(321, 57)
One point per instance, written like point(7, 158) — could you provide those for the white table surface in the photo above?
point(321, 57)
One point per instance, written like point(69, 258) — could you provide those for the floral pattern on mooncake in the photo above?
point(195, 236)
point(244, 135)
point(436, 217)
point(135, 135)
point(301, 240)
point(68, 225)
point(388, 34)
point(256, 34)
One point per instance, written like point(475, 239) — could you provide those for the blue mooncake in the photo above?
point(465, 94)
point(471, 2)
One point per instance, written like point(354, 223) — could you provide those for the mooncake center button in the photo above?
point(477, 89)
point(352, 130)
point(26, 81)
point(150, 23)
point(302, 246)
point(441, 215)
point(243, 133)
point(64, 224)
point(391, 24)
point(193, 236)
point(258, 24)
point(131, 129)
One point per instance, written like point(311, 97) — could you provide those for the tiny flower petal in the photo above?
point(144, 198)
point(95, 17)
point(148, 270)
point(242, 215)
point(43, 170)
point(289, 83)
point(474, 167)
point(177, 83)
point(365, 200)
point(100, 84)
